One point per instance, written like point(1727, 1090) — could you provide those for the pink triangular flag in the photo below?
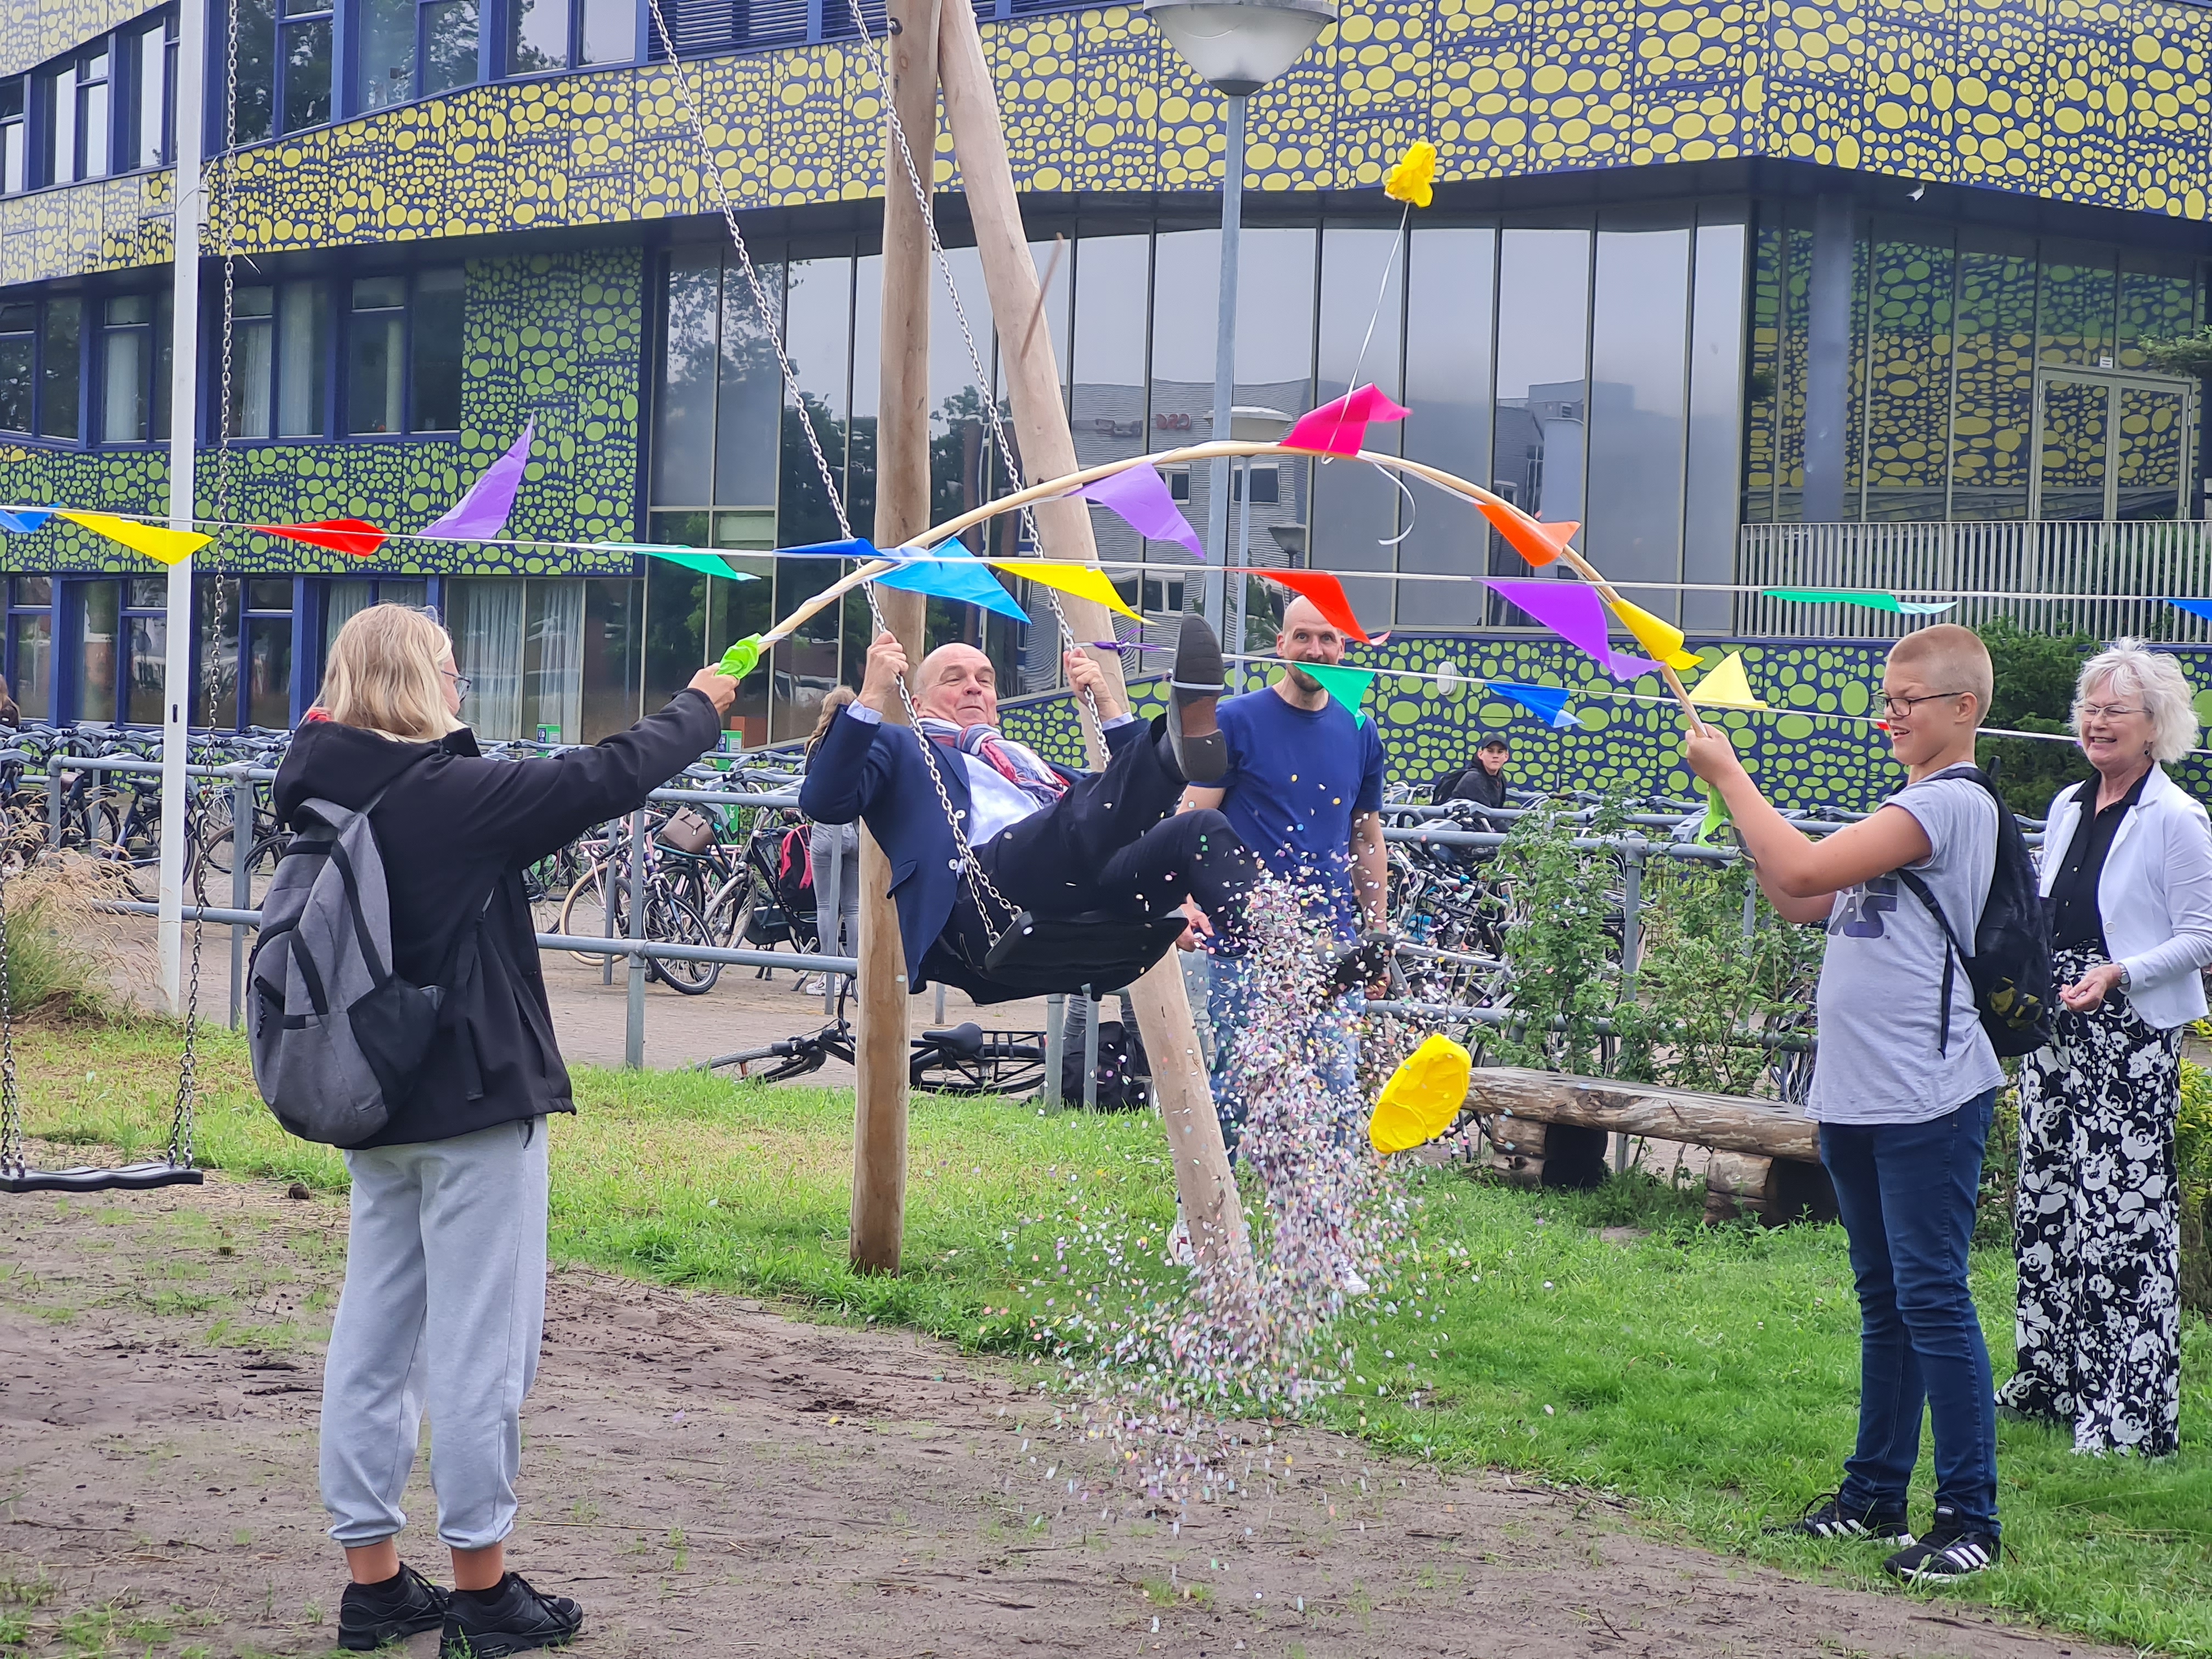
point(1339, 428)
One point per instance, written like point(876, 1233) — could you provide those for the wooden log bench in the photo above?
point(1548, 1129)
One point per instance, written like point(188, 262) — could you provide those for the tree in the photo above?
point(2035, 676)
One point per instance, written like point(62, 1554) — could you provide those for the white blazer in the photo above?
point(2155, 896)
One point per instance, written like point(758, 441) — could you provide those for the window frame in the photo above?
point(149, 357)
point(327, 408)
point(19, 146)
point(502, 31)
point(51, 612)
point(343, 339)
point(157, 33)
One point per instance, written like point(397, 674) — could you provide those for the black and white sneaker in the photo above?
point(369, 1615)
point(509, 1617)
point(1951, 1550)
point(1826, 1518)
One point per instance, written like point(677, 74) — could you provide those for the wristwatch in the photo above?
point(2127, 980)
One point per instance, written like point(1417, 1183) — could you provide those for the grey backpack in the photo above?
point(336, 1036)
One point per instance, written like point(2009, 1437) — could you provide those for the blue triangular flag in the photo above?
point(853, 547)
point(953, 572)
point(2194, 607)
point(1547, 701)
point(25, 519)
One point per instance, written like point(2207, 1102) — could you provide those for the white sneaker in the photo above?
point(1179, 1249)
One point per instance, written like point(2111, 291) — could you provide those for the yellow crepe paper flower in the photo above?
point(1410, 180)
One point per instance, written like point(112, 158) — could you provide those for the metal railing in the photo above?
point(2109, 566)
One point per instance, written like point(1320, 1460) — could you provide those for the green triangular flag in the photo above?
point(1347, 685)
point(1871, 601)
point(691, 558)
point(1716, 814)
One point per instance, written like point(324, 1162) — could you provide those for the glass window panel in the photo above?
point(962, 466)
point(34, 664)
point(98, 622)
point(2147, 449)
point(818, 336)
point(484, 615)
point(1994, 367)
point(2158, 300)
point(734, 610)
point(450, 29)
point(148, 635)
point(860, 460)
point(2073, 456)
point(1638, 420)
point(94, 130)
point(675, 613)
point(60, 165)
point(552, 660)
point(1795, 359)
point(303, 329)
point(151, 126)
point(1543, 323)
point(165, 368)
point(1909, 346)
point(613, 657)
point(683, 401)
point(215, 683)
point(306, 74)
point(383, 72)
point(14, 136)
point(414, 593)
point(1355, 509)
point(1186, 274)
point(269, 672)
point(59, 369)
point(253, 364)
point(434, 344)
point(1762, 379)
point(341, 600)
point(537, 36)
point(34, 590)
point(375, 374)
point(749, 393)
point(610, 33)
point(256, 107)
point(123, 384)
point(1710, 492)
point(1449, 375)
point(269, 594)
point(1273, 386)
point(16, 355)
point(145, 594)
point(2077, 305)
point(1107, 356)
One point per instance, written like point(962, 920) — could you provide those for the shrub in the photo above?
point(2035, 676)
point(64, 953)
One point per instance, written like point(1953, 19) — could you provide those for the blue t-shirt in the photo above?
point(1296, 778)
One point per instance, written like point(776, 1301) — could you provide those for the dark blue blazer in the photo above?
point(877, 774)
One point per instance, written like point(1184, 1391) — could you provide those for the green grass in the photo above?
point(1710, 1375)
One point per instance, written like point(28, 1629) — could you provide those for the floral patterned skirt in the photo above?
point(2098, 1229)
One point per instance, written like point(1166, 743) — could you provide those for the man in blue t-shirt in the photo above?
point(1304, 792)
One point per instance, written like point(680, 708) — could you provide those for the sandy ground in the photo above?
point(709, 1476)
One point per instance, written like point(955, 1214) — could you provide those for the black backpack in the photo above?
point(2010, 963)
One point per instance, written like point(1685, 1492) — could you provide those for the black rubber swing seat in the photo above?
point(117, 1178)
point(1059, 956)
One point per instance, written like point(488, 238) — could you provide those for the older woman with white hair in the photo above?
point(2127, 882)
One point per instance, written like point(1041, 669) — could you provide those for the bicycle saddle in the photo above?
point(963, 1042)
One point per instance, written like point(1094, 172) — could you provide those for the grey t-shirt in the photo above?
point(1881, 980)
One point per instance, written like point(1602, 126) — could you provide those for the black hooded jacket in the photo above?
point(456, 830)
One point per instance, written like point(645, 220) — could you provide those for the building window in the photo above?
point(14, 137)
point(55, 90)
point(151, 58)
point(19, 351)
point(127, 368)
point(60, 369)
point(260, 608)
point(31, 645)
point(284, 68)
point(558, 34)
point(81, 116)
point(413, 48)
point(280, 343)
point(403, 353)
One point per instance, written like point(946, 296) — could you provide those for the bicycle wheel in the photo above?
point(584, 912)
point(670, 920)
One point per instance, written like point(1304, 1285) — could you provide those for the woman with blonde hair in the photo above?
point(2127, 882)
point(445, 1285)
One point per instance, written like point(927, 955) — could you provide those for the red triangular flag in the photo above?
point(353, 535)
point(1532, 539)
point(1339, 426)
point(1328, 595)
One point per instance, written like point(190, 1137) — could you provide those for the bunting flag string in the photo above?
point(1727, 686)
point(859, 548)
point(356, 537)
point(1328, 595)
point(1547, 703)
point(1574, 612)
point(1139, 497)
point(1870, 601)
point(1347, 685)
point(965, 582)
point(691, 558)
point(481, 514)
point(1339, 427)
point(157, 542)
point(1661, 638)
point(1084, 581)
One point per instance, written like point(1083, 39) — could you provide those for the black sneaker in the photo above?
point(1951, 1550)
point(1826, 1518)
point(369, 1615)
point(508, 1618)
point(1195, 686)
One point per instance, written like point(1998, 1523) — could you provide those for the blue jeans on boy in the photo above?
point(1906, 1192)
point(1336, 1048)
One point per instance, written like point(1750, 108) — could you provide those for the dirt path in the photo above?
point(709, 1477)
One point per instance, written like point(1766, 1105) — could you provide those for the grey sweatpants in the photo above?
point(443, 1306)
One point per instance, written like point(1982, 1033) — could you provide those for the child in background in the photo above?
point(1903, 1096)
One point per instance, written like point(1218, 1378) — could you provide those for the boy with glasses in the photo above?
point(1903, 1096)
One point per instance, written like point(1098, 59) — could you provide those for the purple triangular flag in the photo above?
point(481, 514)
point(1141, 497)
point(1573, 613)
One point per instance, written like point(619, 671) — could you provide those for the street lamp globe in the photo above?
point(1238, 46)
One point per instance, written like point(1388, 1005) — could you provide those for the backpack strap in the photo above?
point(1952, 957)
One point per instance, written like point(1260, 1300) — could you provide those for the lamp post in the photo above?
point(1236, 47)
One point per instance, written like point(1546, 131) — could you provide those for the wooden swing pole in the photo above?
point(902, 513)
point(1203, 1182)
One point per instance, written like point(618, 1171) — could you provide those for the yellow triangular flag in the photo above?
point(1661, 639)
point(1423, 1097)
point(156, 542)
point(1727, 686)
point(1082, 580)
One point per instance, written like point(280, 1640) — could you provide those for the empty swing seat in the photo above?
point(1059, 956)
point(117, 1178)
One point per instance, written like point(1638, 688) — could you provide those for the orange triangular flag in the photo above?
point(1532, 539)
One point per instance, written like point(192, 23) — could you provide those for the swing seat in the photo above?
point(1059, 956)
point(118, 1178)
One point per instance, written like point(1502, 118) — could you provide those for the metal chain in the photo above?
point(11, 1112)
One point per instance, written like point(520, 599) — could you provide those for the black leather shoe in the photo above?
point(1196, 686)
point(509, 1617)
point(369, 1615)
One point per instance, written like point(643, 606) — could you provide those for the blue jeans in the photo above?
point(1906, 1194)
point(1336, 1048)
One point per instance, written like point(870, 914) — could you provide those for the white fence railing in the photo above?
point(2117, 576)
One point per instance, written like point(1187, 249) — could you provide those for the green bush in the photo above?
point(2035, 676)
point(61, 947)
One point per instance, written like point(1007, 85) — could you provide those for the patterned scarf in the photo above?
point(1017, 762)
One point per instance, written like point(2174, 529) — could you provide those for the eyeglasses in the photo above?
point(461, 682)
point(2105, 711)
point(1894, 706)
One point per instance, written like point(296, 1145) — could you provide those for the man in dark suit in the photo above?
point(1041, 838)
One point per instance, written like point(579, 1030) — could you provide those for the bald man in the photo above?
point(1045, 840)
